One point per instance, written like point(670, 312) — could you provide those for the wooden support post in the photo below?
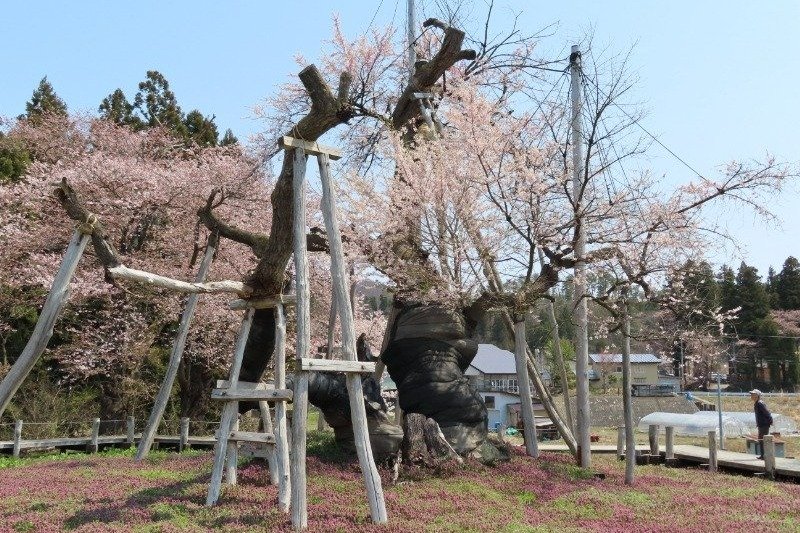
point(183, 442)
point(229, 412)
point(17, 437)
point(59, 293)
point(321, 424)
point(94, 447)
point(299, 502)
point(281, 428)
point(525, 397)
point(268, 427)
point(769, 456)
point(652, 435)
point(620, 442)
point(131, 430)
point(372, 479)
point(232, 459)
point(175, 357)
point(670, 436)
point(712, 451)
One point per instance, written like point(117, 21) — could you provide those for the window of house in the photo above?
point(513, 385)
point(489, 401)
point(619, 369)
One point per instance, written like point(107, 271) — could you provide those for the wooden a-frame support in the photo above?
point(372, 480)
point(274, 436)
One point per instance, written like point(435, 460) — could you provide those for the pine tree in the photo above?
point(118, 109)
point(228, 139)
point(44, 101)
point(772, 289)
point(200, 129)
point(752, 300)
point(158, 105)
point(787, 284)
point(726, 283)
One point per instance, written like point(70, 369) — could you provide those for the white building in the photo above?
point(493, 372)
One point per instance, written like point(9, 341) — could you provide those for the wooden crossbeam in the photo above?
point(311, 148)
point(332, 365)
point(254, 395)
point(246, 385)
point(252, 436)
point(263, 303)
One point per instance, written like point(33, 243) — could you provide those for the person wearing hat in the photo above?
point(763, 418)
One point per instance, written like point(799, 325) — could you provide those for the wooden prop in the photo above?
point(59, 293)
point(358, 414)
point(229, 412)
point(351, 366)
point(300, 408)
point(528, 419)
point(281, 429)
point(175, 357)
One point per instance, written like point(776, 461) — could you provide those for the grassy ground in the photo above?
point(111, 492)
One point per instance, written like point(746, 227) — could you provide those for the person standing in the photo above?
point(763, 418)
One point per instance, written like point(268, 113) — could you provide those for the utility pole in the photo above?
point(580, 311)
point(411, 35)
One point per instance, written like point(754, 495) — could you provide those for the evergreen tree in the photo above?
point(752, 300)
point(787, 285)
point(158, 105)
point(726, 284)
point(772, 289)
point(228, 139)
point(14, 159)
point(44, 101)
point(118, 109)
point(200, 129)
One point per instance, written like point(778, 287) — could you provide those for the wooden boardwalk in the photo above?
point(743, 462)
point(686, 453)
point(596, 448)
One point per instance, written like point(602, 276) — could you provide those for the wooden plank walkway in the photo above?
point(596, 448)
point(737, 461)
point(103, 440)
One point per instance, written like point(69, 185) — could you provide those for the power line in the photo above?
point(645, 130)
point(380, 4)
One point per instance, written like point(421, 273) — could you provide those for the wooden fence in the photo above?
point(93, 439)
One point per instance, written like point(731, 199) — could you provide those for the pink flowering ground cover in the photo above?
point(111, 492)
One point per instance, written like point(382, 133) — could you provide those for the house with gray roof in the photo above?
point(644, 367)
point(493, 373)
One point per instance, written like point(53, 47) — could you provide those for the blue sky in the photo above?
point(719, 78)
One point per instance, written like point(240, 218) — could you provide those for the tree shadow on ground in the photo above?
point(182, 503)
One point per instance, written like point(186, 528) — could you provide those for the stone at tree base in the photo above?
point(490, 453)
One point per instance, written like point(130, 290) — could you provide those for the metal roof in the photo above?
point(617, 358)
point(493, 360)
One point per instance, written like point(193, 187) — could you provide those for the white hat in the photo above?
point(755, 391)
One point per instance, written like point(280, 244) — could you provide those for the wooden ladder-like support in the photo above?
point(350, 366)
point(274, 438)
point(428, 112)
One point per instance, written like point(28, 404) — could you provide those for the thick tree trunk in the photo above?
point(424, 443)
